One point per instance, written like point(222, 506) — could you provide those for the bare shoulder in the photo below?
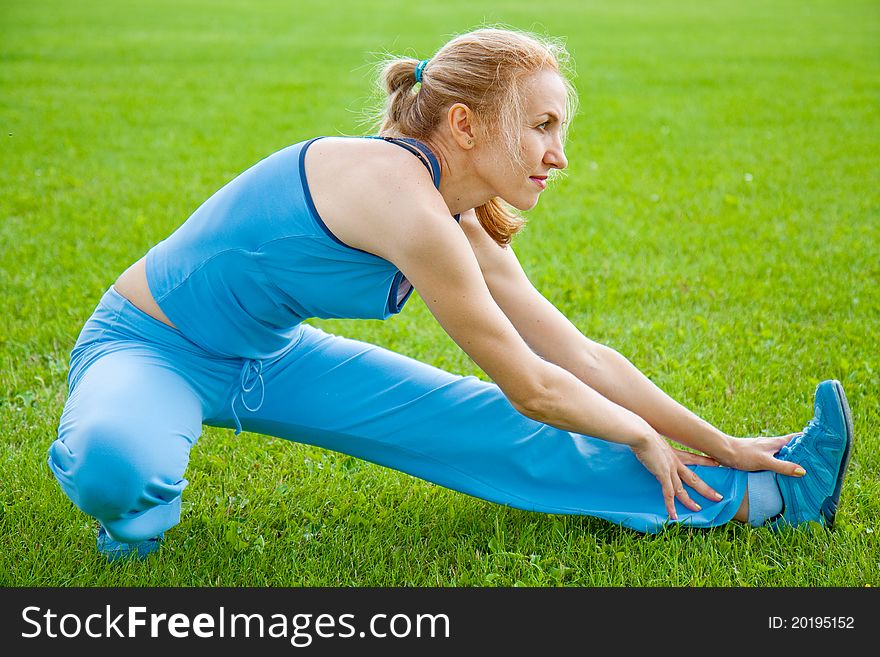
point(371, 194)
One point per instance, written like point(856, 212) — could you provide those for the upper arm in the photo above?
point(412, 228)
point(441, 266)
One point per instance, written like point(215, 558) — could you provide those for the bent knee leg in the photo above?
point(111, 471)
point(124, 438)
point(128, 475)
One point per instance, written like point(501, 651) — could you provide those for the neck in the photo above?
point(460, 185)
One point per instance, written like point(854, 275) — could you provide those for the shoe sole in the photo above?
point(116, 551)
point(829, 507)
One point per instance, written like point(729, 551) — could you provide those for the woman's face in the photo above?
point(540, 142)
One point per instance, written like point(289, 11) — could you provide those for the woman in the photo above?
point(207, 328)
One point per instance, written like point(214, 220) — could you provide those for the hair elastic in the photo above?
point(419, 69)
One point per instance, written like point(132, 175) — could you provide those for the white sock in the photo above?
point(765, 500)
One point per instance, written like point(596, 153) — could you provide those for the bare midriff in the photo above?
point(132, 284)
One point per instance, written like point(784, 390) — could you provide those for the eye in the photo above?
point(543, 126)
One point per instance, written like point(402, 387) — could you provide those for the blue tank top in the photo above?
point(256, 259)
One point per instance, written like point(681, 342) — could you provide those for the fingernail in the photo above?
point(719, 496)
point(799, 471)
point(699, 508)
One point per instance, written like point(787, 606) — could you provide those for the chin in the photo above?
point(521, 199)
point(522, 204)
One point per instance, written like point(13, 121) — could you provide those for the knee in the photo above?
point(104, 472)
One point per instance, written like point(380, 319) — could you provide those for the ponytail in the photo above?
point(499, 221)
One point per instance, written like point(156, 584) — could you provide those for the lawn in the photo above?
point(718, 225)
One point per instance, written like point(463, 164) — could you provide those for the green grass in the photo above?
point(718, 226)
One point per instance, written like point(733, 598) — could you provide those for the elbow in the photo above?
point(597, 358)
point(596, 363)
point(534, 402)
point(528, 406)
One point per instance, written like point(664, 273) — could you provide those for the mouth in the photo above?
point(540, 181)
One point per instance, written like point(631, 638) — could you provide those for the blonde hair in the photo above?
point(485, 69)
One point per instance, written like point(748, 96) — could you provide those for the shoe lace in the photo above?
point(812, 425)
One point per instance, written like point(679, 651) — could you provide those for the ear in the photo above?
point(460, 119)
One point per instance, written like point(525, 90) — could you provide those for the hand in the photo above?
point(751, 454)
point(670, 467)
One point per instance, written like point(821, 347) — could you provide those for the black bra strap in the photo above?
point(415, 147)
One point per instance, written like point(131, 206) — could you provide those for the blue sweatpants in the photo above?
point(140, 392)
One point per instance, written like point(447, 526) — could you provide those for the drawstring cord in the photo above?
point(251, 374)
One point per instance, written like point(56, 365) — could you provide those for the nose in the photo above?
point(555, 156)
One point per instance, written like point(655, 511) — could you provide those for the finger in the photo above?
point(786, 468)
point(782, 441)
point(683, 496)
point(779, 442)
point(689, 458)
point(693, 480)
point(669, 498)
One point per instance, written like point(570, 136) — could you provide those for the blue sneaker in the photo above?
point(115, 550)
point(823, 449)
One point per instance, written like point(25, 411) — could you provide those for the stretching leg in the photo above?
point(462, 433)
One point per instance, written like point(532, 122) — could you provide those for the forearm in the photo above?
point(613, 376)
point(565, 402)
point(555, 339)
